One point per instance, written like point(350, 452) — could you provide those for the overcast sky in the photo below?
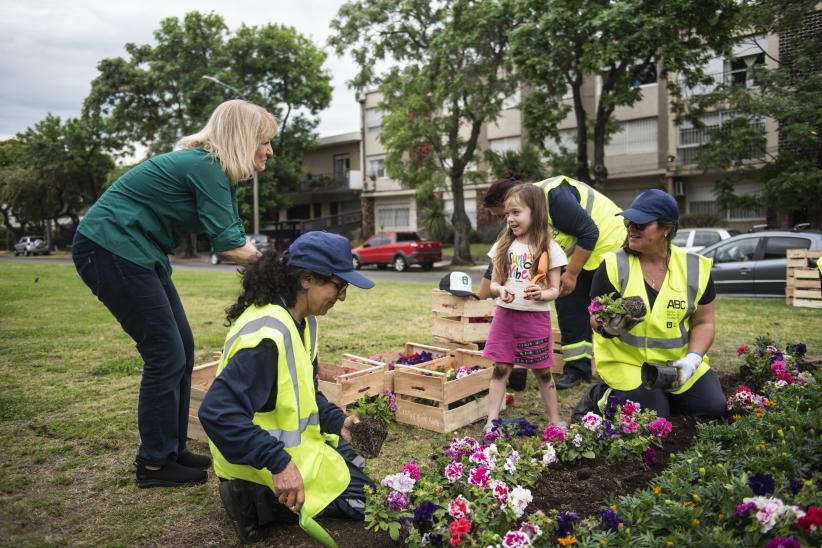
point(49, 49)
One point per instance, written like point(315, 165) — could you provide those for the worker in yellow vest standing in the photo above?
point(274, 437)
point(679, 325)
point(586, 228)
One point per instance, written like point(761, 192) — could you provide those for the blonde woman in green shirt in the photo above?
point(121, 252)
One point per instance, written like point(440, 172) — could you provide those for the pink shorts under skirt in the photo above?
point(521, 338)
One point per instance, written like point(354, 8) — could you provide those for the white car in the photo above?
point(695, 239)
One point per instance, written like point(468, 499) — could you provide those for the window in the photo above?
point(681, 238)
point(407, 237)
point(645, 75)
point(741, 67)
point(567, 140)
point(740, 250)
point(512, 101)
point(777, 247)
point(633, 137)
point(342, 165)
point(506, 143)
point(373, 119)
point(376, 166)
point(691, 138)
point(470, 209)
point(703, 208)
point(392, 216)
point(705, 238)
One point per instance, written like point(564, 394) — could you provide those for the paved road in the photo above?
point(414, 274)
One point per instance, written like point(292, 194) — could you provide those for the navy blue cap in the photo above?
point(326, 254)
point(652, 205)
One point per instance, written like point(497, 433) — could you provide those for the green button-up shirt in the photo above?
point(144, 216)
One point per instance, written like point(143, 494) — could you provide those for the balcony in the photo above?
point(327, 183)
point(739, 77)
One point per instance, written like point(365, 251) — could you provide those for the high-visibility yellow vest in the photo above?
point(295, 420)
point(602, 210)
point(666, 331)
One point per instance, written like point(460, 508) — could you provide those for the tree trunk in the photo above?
point(190, 246)
point(600, 171)
point(582, 173)
point(462, 225)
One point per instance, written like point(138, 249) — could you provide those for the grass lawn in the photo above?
point(69, 379)
point(478, 251)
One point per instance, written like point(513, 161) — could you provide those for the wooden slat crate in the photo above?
point(461, 320)
point(424, 382)
point(388, 359)
point(201, 379)
point(802, 284)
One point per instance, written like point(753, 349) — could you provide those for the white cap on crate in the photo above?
point(457, 283)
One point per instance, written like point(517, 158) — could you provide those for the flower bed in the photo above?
point(753, 480)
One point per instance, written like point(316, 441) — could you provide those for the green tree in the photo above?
point(447, 73)
point(785, 92)
point(523, 165)
point(562, 43)
point(18, 198)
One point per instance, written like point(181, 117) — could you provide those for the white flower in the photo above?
point(549, 455)
point(591, 421)
point(518, 499)
point(401, 482)
point(511, 462)
point(577, 441)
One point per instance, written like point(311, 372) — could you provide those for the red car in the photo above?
point(400, 249)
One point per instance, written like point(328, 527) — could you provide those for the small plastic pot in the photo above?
point(656, 375)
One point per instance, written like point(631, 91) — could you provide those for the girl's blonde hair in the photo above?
point(233, 132)
point(539, 233)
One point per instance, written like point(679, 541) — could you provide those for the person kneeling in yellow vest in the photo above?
point(679, 324)
point(274, 438)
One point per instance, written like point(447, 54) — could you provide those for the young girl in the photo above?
point(521, 330)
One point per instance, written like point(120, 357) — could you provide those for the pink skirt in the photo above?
point(521, 338)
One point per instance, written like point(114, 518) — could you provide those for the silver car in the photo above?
point(693, 240)
point(755, 264)
point(31, 245)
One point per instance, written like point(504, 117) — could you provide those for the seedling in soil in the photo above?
point(367, 437)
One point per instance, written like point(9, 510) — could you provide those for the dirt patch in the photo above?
point(585, 487)
point(367, 437)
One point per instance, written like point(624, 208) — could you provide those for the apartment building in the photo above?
point(648, 150)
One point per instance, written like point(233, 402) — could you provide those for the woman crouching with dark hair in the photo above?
point(274, 438)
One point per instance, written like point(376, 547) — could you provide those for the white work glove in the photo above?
point(686, 367)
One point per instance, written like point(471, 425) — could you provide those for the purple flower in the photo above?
point(743, 509)
point(797, 348)
point(423, 512)
point(761, 484)
point(795, 485)
point(396, 501)
point(783, 542)
point(525, 428)
point(649, 458)
point(566, 522)
point(607, 429)
point(610, 519)
point(490, 436)
point(392, 400)
point(611, 407)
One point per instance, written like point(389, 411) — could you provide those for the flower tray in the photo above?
point(426, 398)
point(389, 359)
point(461, 319)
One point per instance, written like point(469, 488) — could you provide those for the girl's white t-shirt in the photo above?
point(520, 258)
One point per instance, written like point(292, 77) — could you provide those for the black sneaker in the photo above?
point(171, 474)
point(568, 380)
point(192, 460)
point(588, 402)
point(238, 501)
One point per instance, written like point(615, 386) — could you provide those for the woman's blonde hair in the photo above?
point(539, 233)
point(233, 132)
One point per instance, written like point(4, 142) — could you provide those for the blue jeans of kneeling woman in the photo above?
point(150, 312)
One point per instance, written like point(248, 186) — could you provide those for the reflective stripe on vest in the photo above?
point(692, 273)
point(577, 351)
point(589, 203)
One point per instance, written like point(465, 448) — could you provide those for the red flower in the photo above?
point(509, 399)
point(742, 389)
point(458, 528)
point(811, 521)
point(742, 349)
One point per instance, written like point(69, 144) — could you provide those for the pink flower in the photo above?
point(778, 366)
point(554, 433)
point(787, 377)
point(628, 425)
point(772, 349)
point(516, 539)
point(479, 477)
point(453, 471)
point(595, 306)
point(742, 349)
point(660, 427)
point(458, 507)
point(500, 491)
point(412, 469)
point(591, 421)
point(479, 457)
point(630, 407)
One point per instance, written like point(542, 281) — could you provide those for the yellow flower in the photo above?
point(694, 522)
point(669, 543)
point(656, 489)
point(603, 542)
point(621, 526)
point(687, 504)
point(781, 433)
point(737, 417)
point(701, 471)
point(566, 541)
point(762, 445)
point(793, 428)
point(613, 507)
point(721, 517)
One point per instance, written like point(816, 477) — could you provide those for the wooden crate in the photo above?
point(462, 320)
point(201, 379)
point(426, 383)
point(389, 359)
point(802, 281)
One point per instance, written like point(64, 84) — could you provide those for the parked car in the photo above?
point(755, 263)
point(31, 245)
point(399, 249)
point(260, 241)
point(695, 239)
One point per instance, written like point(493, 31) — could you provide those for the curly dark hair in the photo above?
point(266, 279)
point(495, 195)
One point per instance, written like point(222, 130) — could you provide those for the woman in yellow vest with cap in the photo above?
point(273, 436)
point(679, 324)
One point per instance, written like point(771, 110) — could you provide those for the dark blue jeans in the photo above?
point(574, 323)
point(150, 312)
point(704, 399)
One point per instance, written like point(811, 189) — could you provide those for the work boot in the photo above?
point(238, 501)
point(588, 402)
point(568, 380)
point(193, 460)
point(171, 474)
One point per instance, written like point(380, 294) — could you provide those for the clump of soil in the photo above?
point(367, 436)
point(584, 487)
point(634, 306)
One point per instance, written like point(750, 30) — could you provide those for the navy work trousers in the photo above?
point(150, 312)
point(573, 317)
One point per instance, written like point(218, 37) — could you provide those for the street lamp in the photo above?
point(255, 185)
